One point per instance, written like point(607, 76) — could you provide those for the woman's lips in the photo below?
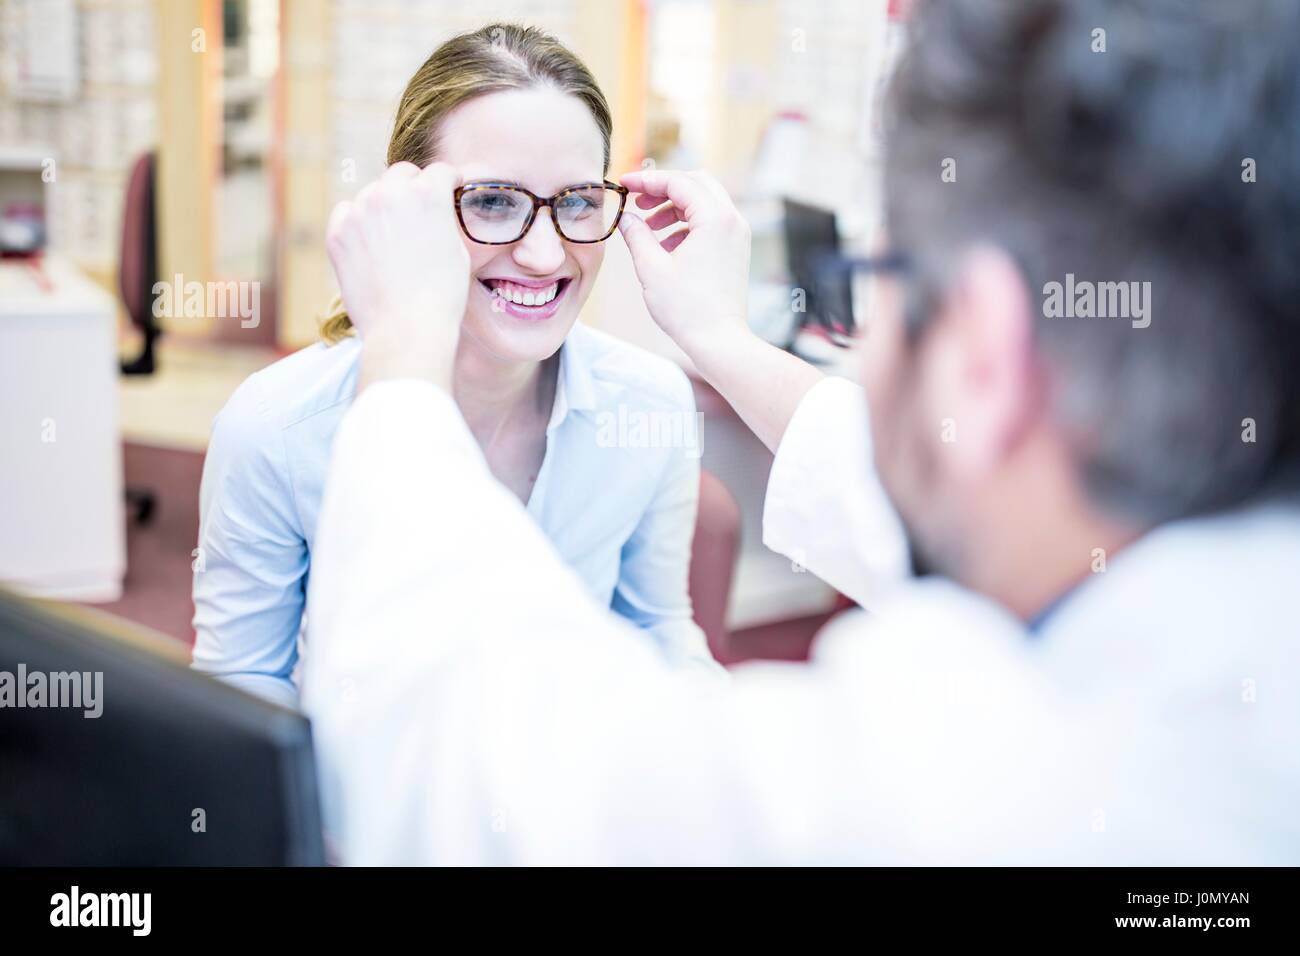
point(513, 298)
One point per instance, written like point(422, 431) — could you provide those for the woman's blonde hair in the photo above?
point(500, 56)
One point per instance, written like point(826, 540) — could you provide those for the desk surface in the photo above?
point(49, 285)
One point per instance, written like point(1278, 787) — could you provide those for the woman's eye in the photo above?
point(576, 205)
point(490, 204)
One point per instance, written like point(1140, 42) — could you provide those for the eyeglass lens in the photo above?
point(499, 214)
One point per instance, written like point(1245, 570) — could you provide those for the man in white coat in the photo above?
point(1104, 666)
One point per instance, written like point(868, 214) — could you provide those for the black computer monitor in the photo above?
point(812, 247)
point(176, 769)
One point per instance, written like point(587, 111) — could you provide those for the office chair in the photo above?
point(137, 273)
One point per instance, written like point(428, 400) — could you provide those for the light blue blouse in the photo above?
point(616, 494)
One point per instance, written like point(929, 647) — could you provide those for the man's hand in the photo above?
point(695, 279)
point(403, 272)
point(696, 283)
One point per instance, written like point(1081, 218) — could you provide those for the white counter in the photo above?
point(62, 529)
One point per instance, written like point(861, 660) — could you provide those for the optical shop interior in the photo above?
point(167, 172)
point(616, 432)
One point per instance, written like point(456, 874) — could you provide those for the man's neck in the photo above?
point(1043, 538)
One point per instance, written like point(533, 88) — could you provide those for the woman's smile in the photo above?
point(527, 299)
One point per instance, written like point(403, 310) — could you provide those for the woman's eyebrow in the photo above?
point(490, 180)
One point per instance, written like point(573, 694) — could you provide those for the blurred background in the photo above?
point(206, 141)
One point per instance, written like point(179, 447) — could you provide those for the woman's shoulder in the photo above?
point(312, 380)
point(623, 372)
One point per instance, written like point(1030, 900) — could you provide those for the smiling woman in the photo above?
point(500, 214)
point(525, 127)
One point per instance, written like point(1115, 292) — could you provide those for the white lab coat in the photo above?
point(1154, 719)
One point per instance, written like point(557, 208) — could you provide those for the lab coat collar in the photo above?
point(1185, 591)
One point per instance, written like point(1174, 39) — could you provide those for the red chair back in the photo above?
point(138, 260)
point(714, 550)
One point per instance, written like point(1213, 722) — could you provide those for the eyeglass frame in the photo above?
point(538, 203)
point(850, 268)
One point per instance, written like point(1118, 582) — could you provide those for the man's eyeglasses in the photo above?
point(497, 214)
point(843, 290)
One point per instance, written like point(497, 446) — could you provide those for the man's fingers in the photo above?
point(402, 170)
point(693, 197)
point(675, 239)
point(647, 201)
point(638, 182)
point(366, 194)
point(337, 236)
point(641, 242)
point(441, 177)
point(438, 182)
point(707, 180)
point(664, 217)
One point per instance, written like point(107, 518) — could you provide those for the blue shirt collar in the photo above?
point(575, 388)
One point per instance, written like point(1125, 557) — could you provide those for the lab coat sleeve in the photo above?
point(653, 586)
point(470, 703)
point(251, 563)
point(452, 649)
point(825, 507)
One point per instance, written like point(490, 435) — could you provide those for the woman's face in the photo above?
point(542, 140)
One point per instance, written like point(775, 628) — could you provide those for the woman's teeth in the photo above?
point(524, 295)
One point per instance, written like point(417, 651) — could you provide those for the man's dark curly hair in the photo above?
point(1125, 163)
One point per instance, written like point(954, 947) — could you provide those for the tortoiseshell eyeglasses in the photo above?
point(497, 214)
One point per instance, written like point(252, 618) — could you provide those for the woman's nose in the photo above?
point(542, 250)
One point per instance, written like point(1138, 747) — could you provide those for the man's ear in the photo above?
point(980, 388)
